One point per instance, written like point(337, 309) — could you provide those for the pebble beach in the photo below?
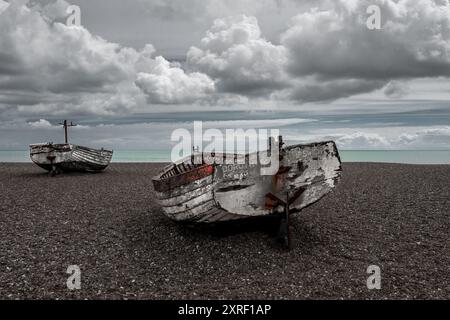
point(394, 216)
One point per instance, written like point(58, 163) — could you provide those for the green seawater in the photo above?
point(397, 156)
point(389, 156)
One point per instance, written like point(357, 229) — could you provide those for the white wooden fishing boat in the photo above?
point(57, 158)
point(214, 190)
point(69, 157)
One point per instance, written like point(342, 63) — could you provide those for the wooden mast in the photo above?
point(65, 124)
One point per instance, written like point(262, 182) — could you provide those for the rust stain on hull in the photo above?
point(228, 191)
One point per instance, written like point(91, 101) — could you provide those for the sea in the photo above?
point(386, 156)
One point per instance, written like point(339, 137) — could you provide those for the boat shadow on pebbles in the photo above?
point(262, 230)
point(38, 173)
point(251, 234)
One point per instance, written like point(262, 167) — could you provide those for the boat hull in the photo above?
point(222, 191)
point(69, 157)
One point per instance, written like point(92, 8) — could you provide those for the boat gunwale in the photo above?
point(159, 177)
point(165, 184)
point(60, 146)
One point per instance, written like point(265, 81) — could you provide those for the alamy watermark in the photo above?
point(374, 280)
point(74, 280)
point(221, 147)
point(74, 18)
point(373, 22)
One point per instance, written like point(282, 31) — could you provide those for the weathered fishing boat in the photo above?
point(57, 158)
point(205, 188)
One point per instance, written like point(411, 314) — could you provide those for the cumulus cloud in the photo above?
point(46, 66)
point(234, 53)
point(55, 57)
point(41, 123)
point(413, 41)
point(435, 137)
point(335, 49)
point(380, 138)
point(363, 140)
point(326, 53)
point(168, 83)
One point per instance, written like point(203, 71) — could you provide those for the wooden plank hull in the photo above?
point(69, 157)
point(221, 191)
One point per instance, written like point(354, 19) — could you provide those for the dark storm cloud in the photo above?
point(396, 89)
point(413, 41)
point(332, 90)
point(10, 65)
point(335, 46)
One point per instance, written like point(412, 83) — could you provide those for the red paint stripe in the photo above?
point(172, 182)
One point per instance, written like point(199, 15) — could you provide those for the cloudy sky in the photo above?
point(136, 70)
